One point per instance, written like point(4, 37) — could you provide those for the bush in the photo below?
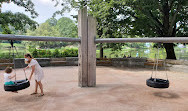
point(35, 53)
point(41, 53)
point(48, 54)
point(67, 52)
point(70, 52)
point(5, 56)
point(56, 53)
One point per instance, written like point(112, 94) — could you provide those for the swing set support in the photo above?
point(87, 45)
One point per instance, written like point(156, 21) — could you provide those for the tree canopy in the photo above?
point(27, 4)
point(64, 27)
point(138, 18)
point(17, 20)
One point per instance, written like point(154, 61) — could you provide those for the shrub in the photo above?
point(56, 53)
point(70, 52)
point(35, 53)
point(48, 54)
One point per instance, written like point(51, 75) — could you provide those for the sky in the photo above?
point(45, 9)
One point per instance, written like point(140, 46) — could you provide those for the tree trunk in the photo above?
point(169, 47)
point(101, 51)
point(170, 54)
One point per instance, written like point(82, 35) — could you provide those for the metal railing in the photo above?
point(154, 39)
point(37, 38)
point(104, 40)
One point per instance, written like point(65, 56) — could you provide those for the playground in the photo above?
point(111, 55)
point(117, 89)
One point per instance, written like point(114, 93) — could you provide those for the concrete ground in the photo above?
point(117, 90)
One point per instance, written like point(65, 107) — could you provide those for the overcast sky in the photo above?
point(45, 9)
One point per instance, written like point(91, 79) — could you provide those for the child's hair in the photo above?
point(28, 55)
point(8, 70)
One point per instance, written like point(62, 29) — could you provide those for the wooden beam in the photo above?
point(83, 48)
point(91, 52)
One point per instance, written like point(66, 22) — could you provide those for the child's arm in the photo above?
point(33, 69)
point(10, 77)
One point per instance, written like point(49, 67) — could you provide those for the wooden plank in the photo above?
point(91, 52)
point(82, 62)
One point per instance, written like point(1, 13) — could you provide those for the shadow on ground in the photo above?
point(167, 95)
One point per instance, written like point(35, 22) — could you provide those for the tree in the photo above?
point(150, 18)
point(64, 27)
point(104, 14)
point(45, 29)
point(162, 18)
point(17, 20)
point(67, 27)
point(27, 4)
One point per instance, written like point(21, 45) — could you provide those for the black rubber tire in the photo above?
point(157, 83)
point(19, 85)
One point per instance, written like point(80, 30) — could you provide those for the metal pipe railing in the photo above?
point(37, 38)
point(155, 40)
point(105, 40)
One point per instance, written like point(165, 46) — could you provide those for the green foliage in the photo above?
point(27, 4)
point(70, 52)
point(149, 18)
point(17, 21)
point(44, 29)
point(67, 27)
point(35, 53)
point(64, 27)
point(57, 53)
point(48, 53)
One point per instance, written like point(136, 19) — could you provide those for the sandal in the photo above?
point(40, 95)
point(33, 93)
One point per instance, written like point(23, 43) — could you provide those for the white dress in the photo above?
point(39, 74)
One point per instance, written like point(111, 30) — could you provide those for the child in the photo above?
point(8, 77)
point(39, 75)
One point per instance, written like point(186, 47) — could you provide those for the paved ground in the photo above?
point(116, 90)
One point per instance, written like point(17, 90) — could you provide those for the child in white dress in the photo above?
point(37, 69)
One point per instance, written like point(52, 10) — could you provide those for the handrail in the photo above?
point(37, 38)
point(154, 39)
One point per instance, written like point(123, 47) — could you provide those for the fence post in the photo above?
point(83, 48)
point(91, 52)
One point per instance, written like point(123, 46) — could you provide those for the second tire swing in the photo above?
point(154, 81)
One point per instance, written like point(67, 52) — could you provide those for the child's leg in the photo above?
point(41, 87)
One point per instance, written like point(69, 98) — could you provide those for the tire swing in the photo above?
point(19, 84)
point(157, 82)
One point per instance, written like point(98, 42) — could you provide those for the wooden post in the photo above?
point(91, 52)
point(87, 49)
point(83, 48)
